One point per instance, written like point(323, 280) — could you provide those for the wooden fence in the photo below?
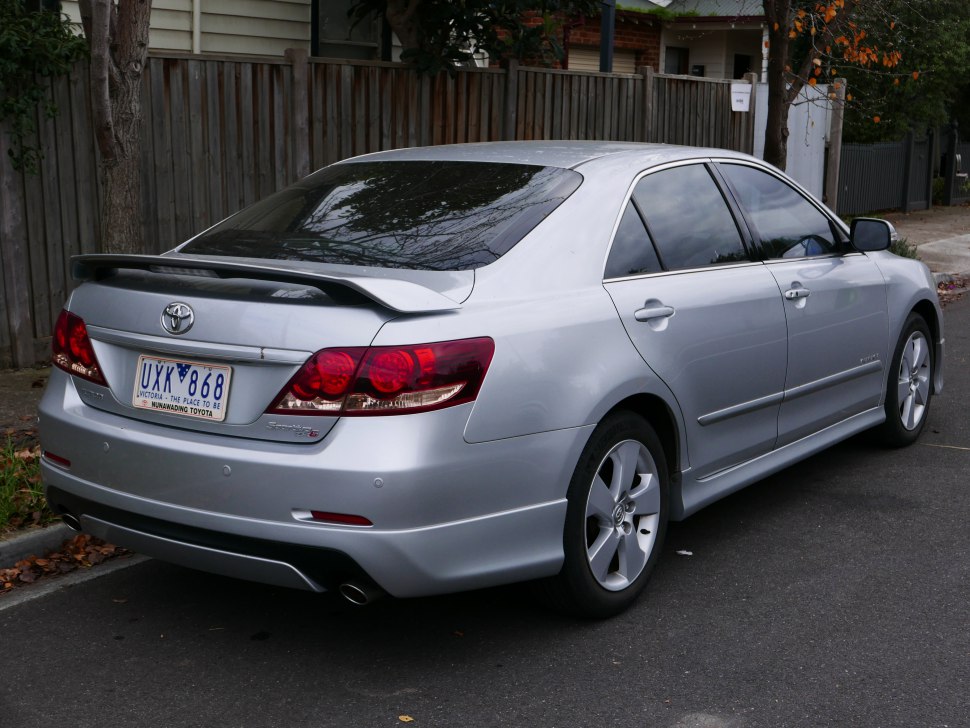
point(219, 133)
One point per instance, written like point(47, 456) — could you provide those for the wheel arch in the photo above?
point(661, 418)
point(929, 313)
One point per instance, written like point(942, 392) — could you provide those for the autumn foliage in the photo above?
point(82, 551)
point(807, 42)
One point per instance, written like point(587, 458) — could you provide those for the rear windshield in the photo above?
point(418, 215)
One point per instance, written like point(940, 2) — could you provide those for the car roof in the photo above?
point(567, 154)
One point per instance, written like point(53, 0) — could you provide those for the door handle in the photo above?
point(655, 311)
point(793, 294)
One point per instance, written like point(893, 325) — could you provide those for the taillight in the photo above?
point(388, 380)
point(72, 350)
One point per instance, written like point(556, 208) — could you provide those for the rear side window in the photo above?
point(632, 252)
point(688, 219)
point(789, 225)
point(418, 214)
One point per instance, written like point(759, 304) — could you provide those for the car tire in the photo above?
point(616, 519)
point(910, 384)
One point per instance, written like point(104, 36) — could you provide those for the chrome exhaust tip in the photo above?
point(71, 521)
point(361, 593)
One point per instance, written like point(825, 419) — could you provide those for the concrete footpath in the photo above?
point(941, 236)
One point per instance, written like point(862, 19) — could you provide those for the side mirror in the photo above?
point(869, 234)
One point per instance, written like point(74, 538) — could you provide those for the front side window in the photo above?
point(789, 225)
point(688, 219)
point(422, 215)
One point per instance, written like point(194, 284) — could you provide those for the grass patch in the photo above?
point(22, 501)
point(903, 249)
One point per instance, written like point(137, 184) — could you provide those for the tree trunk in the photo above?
point(118, 35)
point(121, 213)
point(400, 16)
point(776, 128)
point(121, 230)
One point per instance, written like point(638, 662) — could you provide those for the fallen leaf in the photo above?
point(405, 718)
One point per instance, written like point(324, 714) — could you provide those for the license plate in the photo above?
point(182, 387)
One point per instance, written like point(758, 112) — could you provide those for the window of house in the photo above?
point(688, 219)
point(587, 58)
point(36, 6)
point(788, 224)
point(336, 36)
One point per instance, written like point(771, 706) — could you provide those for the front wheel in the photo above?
point(910, 384)
point(615, 519)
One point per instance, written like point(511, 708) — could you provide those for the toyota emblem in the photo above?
point(177, 318)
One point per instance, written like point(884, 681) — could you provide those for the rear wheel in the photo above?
point(615, 520)
point(910, 384)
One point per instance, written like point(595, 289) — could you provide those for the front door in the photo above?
point(835, 305)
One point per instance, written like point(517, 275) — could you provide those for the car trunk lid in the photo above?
point(253, 325)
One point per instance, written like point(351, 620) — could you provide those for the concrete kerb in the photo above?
point(38, 542)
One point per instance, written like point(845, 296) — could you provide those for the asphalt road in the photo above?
point(835, 593)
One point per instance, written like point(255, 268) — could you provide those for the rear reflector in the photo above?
point(344, 519)
point(72, 350)
point(387, 380)
point(57, 459)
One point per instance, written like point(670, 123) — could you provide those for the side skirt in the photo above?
point(697, 493)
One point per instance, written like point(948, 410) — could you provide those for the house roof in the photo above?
point(719, 8)
point(640, 4)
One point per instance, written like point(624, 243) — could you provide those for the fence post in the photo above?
point(909, 149)
point(300, 127)
point(930, 164)
point(510, 119)
point(647, 107)
point(425, 111)
point(833, 157)
point(13, 253)
point(752, 78)
point(950, 173)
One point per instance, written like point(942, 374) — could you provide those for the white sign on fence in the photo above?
point(740, 96)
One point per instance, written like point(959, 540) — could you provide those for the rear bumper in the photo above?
point(447, 515)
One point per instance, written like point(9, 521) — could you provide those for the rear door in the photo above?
point(704, 316)
point(834, 300)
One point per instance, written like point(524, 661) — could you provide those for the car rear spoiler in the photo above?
point(392, 293)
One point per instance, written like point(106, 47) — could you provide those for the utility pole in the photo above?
point(607, 35)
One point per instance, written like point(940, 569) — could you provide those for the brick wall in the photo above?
point(634, 31)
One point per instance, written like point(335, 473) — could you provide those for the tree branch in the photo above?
point(821, 40)
point(85, 7)
point(97, 28)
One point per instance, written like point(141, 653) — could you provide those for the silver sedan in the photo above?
point(430, 370)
